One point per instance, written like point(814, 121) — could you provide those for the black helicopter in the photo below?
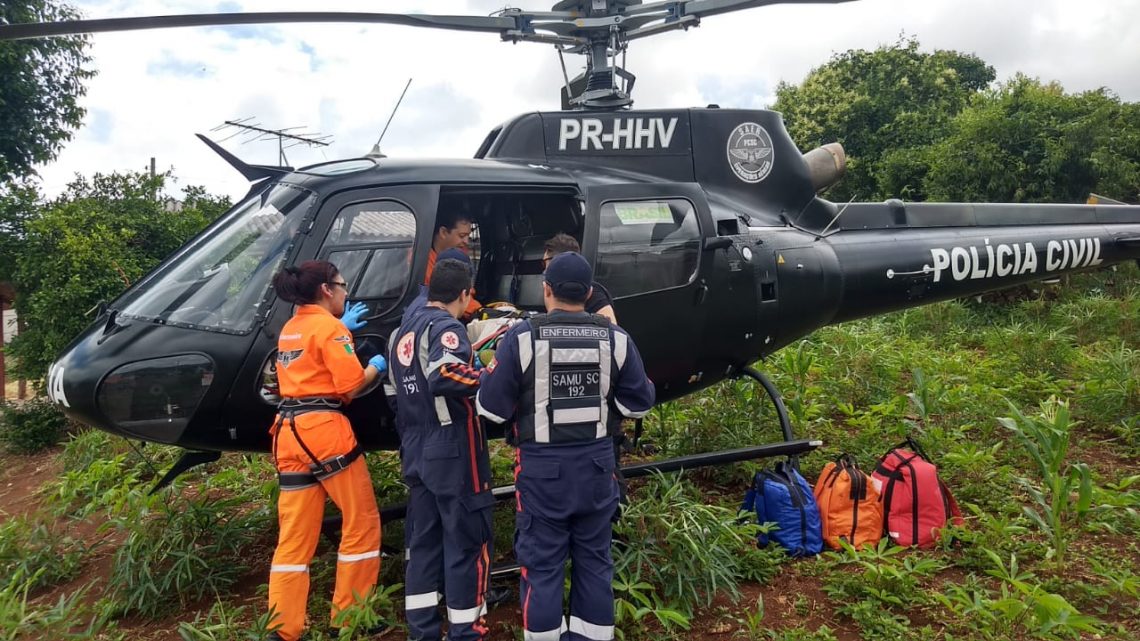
point(704, 224)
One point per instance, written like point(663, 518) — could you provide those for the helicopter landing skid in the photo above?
point(790, 446)
point(185, 463)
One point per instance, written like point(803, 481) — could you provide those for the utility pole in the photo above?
point(285, 140)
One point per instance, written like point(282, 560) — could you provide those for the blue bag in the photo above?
point(781, 496)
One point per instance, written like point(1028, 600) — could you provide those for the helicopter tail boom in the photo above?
point(926, 253)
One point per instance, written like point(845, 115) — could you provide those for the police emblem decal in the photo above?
point(450, 340)
point(405, 350)
point(750, 152)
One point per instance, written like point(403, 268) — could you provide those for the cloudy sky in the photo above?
point(156, 89)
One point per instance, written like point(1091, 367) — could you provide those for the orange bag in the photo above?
point(849, 505)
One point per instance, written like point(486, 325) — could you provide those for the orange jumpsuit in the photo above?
point(472, 306)
point(316, 359)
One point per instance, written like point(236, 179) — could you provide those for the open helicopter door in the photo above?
point(376, 237)
point(379, 239)
point(647, 245)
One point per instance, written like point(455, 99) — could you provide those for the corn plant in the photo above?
point(927, 395)
point(102, 485)
point(887, 578)
point(801, 397)
point(1026, 605)
point(1046, 439)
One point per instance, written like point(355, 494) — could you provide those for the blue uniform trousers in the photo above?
point(567, 498)
point(449, 547)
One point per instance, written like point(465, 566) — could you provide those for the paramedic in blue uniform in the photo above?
point(443, 455)
point(559, 375)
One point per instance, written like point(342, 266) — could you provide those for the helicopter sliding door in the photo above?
point(646, 244)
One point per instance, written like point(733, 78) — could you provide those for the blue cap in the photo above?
point(570, 277)
point(454, 253)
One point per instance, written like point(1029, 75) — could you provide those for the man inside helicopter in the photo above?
point(599, 301)
point(452, 231)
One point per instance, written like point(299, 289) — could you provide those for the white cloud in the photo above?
point(156, 89)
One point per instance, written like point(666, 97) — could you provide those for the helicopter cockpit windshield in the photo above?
point(220, 282)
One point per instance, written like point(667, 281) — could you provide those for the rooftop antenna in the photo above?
point(376, 153)
point(254, 132)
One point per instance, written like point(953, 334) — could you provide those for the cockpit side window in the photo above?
point(371, 244)
point(220, 281)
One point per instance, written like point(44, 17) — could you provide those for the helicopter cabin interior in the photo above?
point(638, 246)
point(510, 231)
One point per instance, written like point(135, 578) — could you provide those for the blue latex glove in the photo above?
point(352, 314)
point(379, 362)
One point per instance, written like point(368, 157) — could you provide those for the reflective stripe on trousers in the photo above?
point(589, 630)
point(546, 635)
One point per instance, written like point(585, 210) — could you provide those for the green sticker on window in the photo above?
point(643, 213)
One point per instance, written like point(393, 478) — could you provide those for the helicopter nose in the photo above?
point(156, 398)
point(151, 398)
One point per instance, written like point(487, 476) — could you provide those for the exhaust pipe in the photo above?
point(826, 165)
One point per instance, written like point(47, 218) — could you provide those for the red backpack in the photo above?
point(916, 504)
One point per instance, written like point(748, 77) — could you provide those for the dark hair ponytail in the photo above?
point(302, 284)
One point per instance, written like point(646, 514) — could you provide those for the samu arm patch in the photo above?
point(449, 340)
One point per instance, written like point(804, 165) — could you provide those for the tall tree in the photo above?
point(1028, 141)
point(18, 204)
point(885, 106)
point(89, 245)
point(42, 81)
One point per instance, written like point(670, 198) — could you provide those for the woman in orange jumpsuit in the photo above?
point(314, 448)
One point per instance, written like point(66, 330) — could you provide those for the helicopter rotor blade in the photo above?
point(703, 8)
point(73, 27)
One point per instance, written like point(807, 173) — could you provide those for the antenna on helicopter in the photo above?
point(243, 126)
point(376, 153)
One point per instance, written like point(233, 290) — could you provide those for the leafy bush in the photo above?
point(634, 605)
point(67, 618)
point(87, 446)
point(877, 586)
point(686, 549)
point(178, 552)
point(31, 548)
point(31, 426)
